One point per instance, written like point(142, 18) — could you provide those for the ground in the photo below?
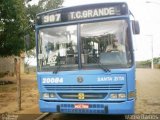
point(8, 95)
point(148, 87)
point(147, 81)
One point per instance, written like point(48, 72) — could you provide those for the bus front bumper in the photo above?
point(126, 107)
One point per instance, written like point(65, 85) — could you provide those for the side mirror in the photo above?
point(135, 27)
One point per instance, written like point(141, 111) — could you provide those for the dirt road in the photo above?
point(148, 91)
point(29, 95)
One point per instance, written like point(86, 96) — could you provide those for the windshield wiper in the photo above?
point(105, 69)
point(96, 60)
point(58, 67)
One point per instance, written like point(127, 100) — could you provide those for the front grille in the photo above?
point(86, 95)
point(83, 87)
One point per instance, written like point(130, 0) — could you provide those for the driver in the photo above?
point(115, 46)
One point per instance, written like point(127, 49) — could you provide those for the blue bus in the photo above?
point(85, 59)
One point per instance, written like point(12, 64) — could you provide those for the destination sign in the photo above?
point(82, 12)
point(91, 13)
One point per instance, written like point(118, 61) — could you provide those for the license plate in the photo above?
point(81, 106)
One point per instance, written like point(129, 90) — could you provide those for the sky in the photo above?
point(148, 15)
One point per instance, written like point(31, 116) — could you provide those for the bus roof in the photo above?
point(82, 12)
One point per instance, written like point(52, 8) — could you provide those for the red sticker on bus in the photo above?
point(81, 106)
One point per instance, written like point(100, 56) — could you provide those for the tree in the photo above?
point(43, 5)
point(12, 23)
point(49, 4)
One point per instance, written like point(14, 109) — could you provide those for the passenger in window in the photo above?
point(70, 52)
point(115, 46)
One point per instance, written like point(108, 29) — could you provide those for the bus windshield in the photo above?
point(104, 43)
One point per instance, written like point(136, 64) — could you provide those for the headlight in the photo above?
point(113, 96)
point(121, 95)
point(52, 95)
point(117, 96)
point(48, 95)
point(45, 95)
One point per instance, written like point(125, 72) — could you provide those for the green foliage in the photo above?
point(156, 60)
point(50, 4)
point(43, 5)
point(12, 22)
point(32, 11)
point(147, 63)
